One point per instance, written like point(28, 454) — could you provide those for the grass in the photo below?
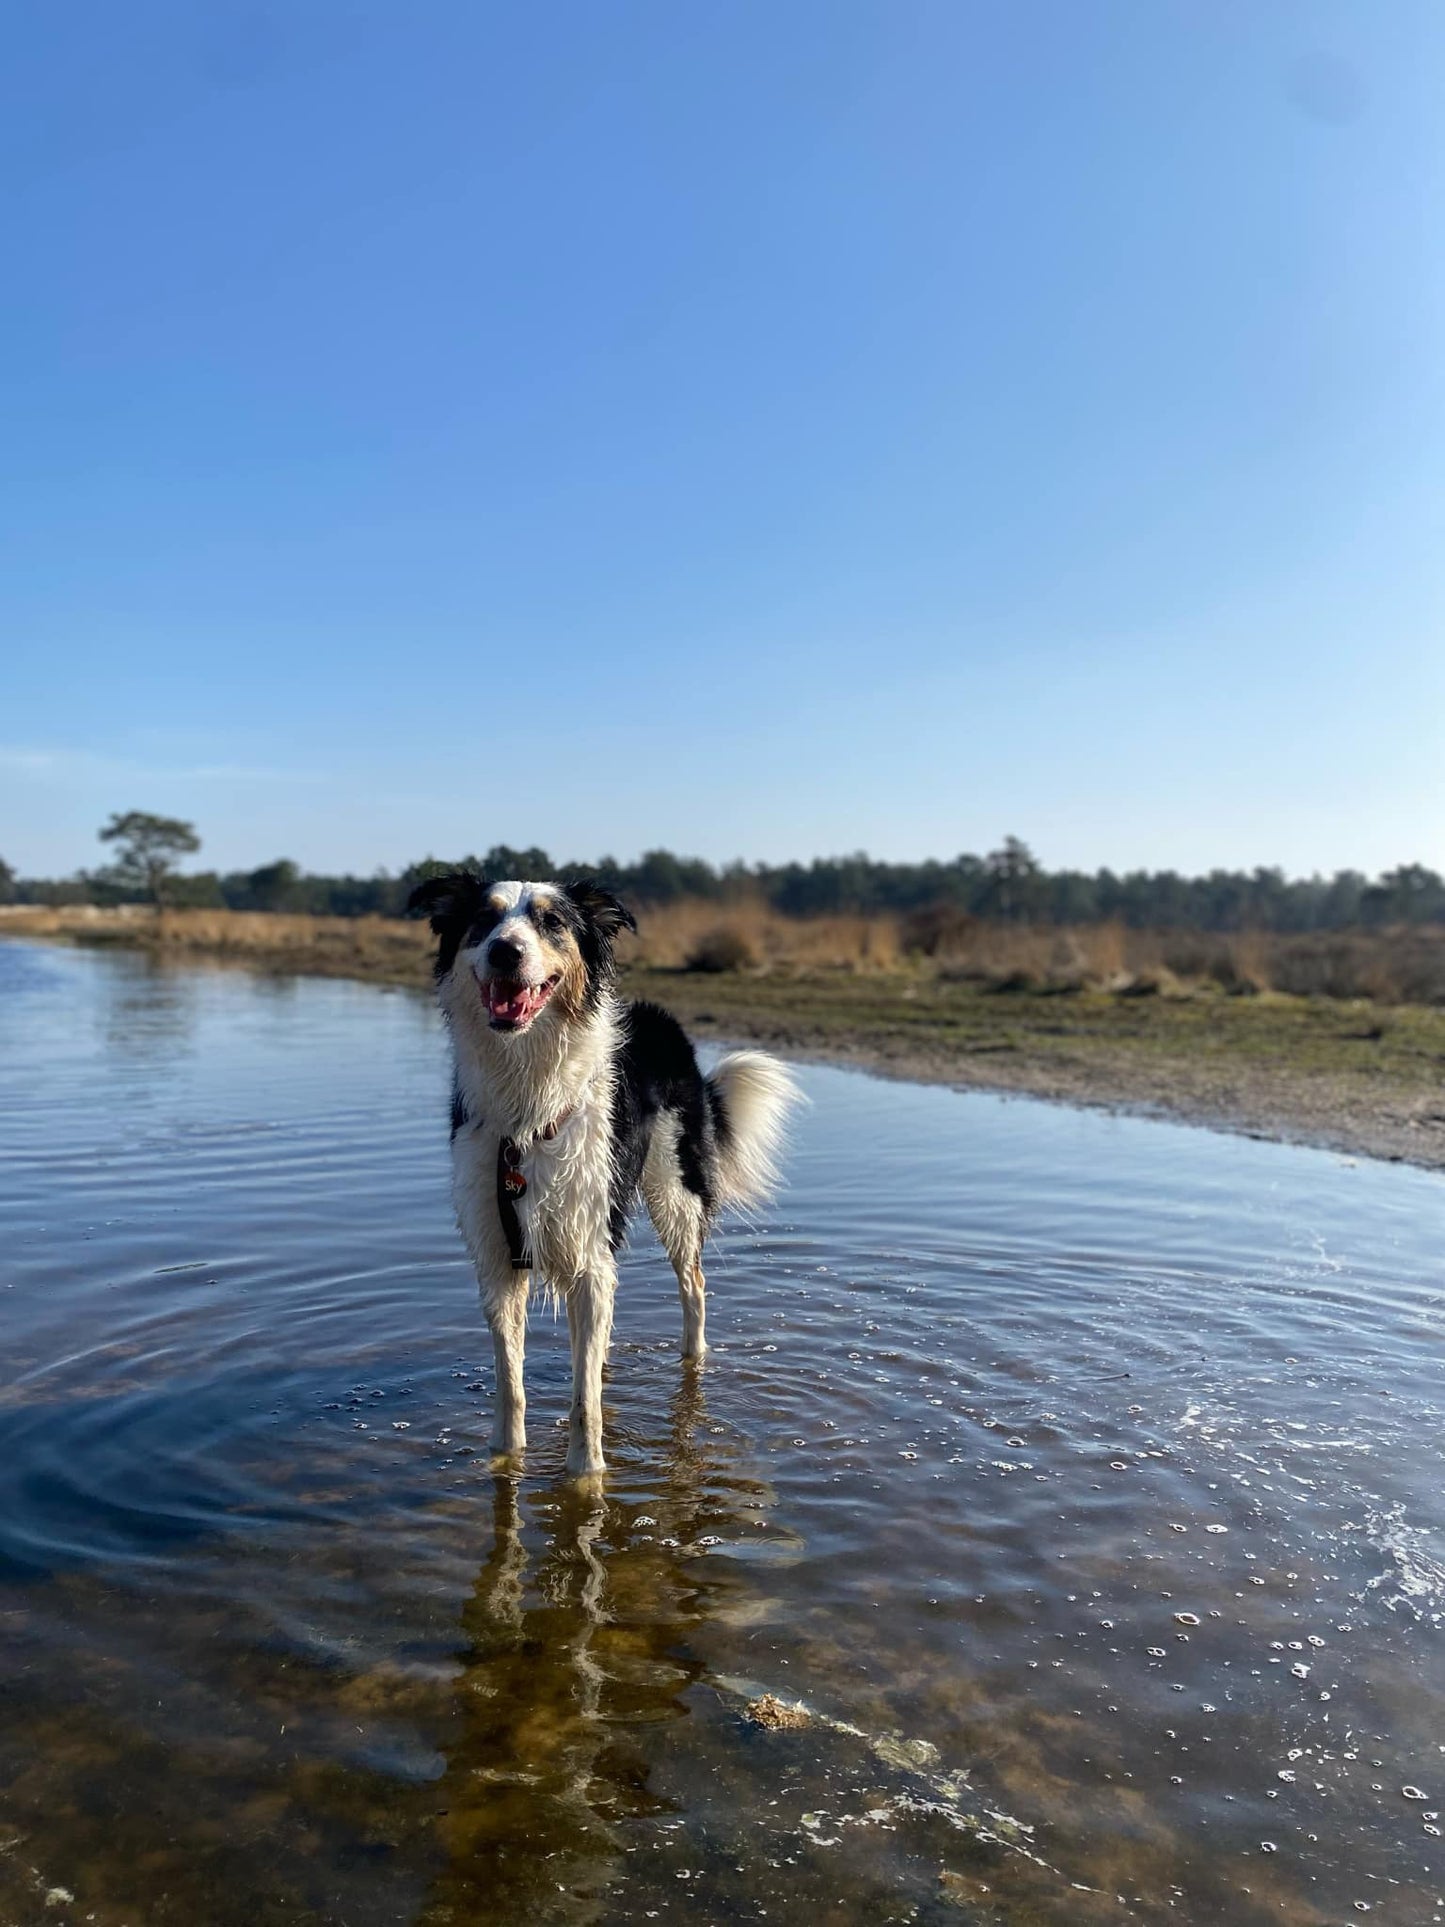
point(376, 949)
point(1354, 1076)
point(1189, 1025)
point(900, 1015)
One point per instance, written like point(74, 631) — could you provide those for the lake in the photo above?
point(1080, 1479)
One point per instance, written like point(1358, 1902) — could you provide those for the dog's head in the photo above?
point(526, 948)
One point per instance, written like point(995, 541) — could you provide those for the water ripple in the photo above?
point(1076, 1481)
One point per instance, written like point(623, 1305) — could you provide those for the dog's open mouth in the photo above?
point(512, 1005)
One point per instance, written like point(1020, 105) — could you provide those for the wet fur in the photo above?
point(640, 1120)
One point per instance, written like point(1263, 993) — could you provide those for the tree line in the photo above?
point(1008, 884)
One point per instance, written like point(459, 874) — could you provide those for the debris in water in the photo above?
point(774, 1713)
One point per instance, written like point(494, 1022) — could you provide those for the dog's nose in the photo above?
point(503, 956)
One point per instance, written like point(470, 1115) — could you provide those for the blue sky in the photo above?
point(763, 430)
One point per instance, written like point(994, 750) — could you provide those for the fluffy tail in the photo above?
point(751, 1096)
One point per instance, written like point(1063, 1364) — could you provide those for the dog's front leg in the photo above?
point(506, 1306)
point(589, 1321)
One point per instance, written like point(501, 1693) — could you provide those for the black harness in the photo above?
point(511, 1185)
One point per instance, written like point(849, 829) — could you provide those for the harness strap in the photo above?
point(511, 1185)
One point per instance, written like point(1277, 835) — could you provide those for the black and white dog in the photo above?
point(567, 1103)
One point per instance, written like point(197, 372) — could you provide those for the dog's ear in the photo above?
point(449, 901)
point(607, 914)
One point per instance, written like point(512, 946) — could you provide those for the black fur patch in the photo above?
point(657, 1072)
point(596, 917)
point(451, 904)
point(550, 913)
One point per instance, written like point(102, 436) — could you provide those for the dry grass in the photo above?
point(369, 947)
point(748, 939)
point(1388, 966)
point(696, 935)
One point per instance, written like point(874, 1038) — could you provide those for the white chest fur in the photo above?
point(563, 1214)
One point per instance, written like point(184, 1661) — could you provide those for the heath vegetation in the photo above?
point(1312, 1009)
point(1401, 965)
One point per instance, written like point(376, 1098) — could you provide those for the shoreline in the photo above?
point(1270, 1122)
point(1350, 1113)
point(1357, 1079)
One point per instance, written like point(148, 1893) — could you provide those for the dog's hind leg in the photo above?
point(684, 1247)
point(589, 1321)
point(506, 1305)
point(692, 1290)
point(679, 1220)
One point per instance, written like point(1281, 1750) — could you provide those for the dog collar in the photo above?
point(511, 1185)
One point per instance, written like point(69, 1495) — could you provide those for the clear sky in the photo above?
point(760, 429)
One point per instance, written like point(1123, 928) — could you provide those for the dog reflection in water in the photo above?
point(580, 1637)
point(568, 1104)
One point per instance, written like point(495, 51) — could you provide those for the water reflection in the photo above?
point(152, 1008)
point(579, 1638)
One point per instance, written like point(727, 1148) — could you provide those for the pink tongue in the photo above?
point(510, 1005)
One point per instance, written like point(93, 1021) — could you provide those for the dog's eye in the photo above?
point(551, 922)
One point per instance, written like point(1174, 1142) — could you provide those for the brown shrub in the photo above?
point(938, 930)
point(724, 948)
point(671, 935)
point(1011, 982)
point(1237, 962)
point(1158, 982)
point(1398, 966)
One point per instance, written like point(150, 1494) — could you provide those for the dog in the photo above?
point(567, 1104)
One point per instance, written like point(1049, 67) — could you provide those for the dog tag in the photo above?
point(513, 1183)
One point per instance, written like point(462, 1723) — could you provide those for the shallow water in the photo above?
point(1082, 1477)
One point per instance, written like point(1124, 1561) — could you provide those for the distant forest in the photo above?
point(1007, 885)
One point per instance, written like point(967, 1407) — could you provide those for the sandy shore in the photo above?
point(1355, 1077)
